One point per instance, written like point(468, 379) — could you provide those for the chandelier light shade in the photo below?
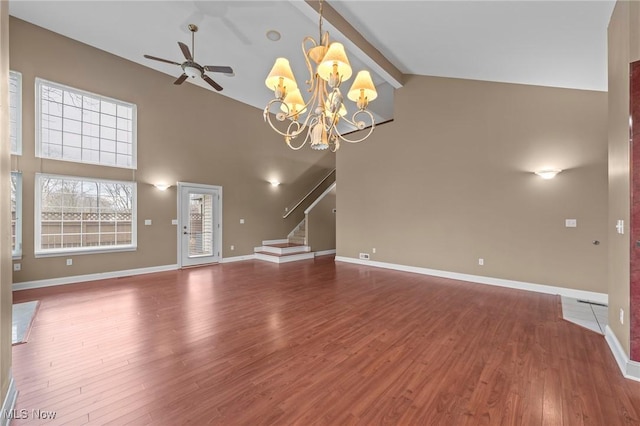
point(328, 68)
point(293, 103)
point(335, 64)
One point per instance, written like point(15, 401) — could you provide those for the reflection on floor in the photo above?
point(591, 315)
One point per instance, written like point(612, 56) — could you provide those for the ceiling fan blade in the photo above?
point(215, 68)
point(180, 79)
point(185, 51)
point(161, 60)
point(211, 82)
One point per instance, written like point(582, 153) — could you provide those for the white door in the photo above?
point(199, 224)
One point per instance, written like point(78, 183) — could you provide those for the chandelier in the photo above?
point(325, 108)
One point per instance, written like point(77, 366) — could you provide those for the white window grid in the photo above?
point(15, 112)
point(16, 215)
point(79, 126)
point(84, 215)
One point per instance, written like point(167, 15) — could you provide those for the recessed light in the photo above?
point(273, 35)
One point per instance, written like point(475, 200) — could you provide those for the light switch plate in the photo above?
point(174, 221)
point(147, 222)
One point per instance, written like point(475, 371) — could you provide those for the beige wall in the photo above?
point(185, 133)
point(624, 30)
point(321, 224)
point(450, 181)
point(5, 221)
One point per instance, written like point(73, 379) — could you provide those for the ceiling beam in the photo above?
point(363, 49)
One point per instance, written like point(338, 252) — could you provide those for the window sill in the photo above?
point(81, 251)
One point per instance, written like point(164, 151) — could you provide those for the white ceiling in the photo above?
point(550, 43)
point(545, 43)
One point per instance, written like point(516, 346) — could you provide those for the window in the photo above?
point(74, 125)
point(15, 112)
point(16, 215)
point(76, 214)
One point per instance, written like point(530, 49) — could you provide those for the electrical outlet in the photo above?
point(69, 262)
point(364, 256)
point(373, 250)
point(621, 316)
point(17, 266)
point(233, 247)
point(242, 221)
point(481, 262)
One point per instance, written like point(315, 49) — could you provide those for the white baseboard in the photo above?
point(629, 369)
point(238, 258)
point(91, 277)
point(325, 252)
point(520, 285)
point(9, 402)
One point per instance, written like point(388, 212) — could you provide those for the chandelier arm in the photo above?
point(300, 127)
point(305, 52)
point(306, 138)
point(354, 123)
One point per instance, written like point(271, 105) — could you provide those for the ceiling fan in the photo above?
point(190, 68)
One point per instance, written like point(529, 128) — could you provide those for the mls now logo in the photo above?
point(24, 414)
point(43, 415)
point(15, 414)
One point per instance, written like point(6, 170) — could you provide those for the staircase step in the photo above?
point(283, 258)
point(283, 249)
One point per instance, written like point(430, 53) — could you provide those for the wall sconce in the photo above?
point(274, 183)
point(547, 173)
point(162, 186)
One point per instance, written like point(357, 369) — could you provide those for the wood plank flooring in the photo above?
point(312, 342)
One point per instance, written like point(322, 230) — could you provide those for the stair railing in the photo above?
point(288, 211)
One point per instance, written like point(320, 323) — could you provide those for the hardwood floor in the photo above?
point(312, 342)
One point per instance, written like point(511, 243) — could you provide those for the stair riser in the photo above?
point(285, 259)
point(283, 250)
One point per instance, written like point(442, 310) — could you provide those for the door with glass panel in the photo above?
point(199, 227)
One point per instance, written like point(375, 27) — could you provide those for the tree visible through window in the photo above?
point(82, 214)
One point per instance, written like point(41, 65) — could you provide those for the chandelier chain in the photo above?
point(320, 25)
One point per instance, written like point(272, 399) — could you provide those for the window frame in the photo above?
point(16, 253)
point(18, 77)
point(38, 123)
point(39, 252)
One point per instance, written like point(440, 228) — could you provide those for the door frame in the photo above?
point(217, 239)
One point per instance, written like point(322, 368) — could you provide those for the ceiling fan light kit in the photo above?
point(192, 69)
point(325, 109)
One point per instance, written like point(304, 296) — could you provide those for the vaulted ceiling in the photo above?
point(548, 43)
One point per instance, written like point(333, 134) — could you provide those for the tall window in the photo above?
point(16, 215)
point(15, 112)
point(83, 215)
point(74, 125)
